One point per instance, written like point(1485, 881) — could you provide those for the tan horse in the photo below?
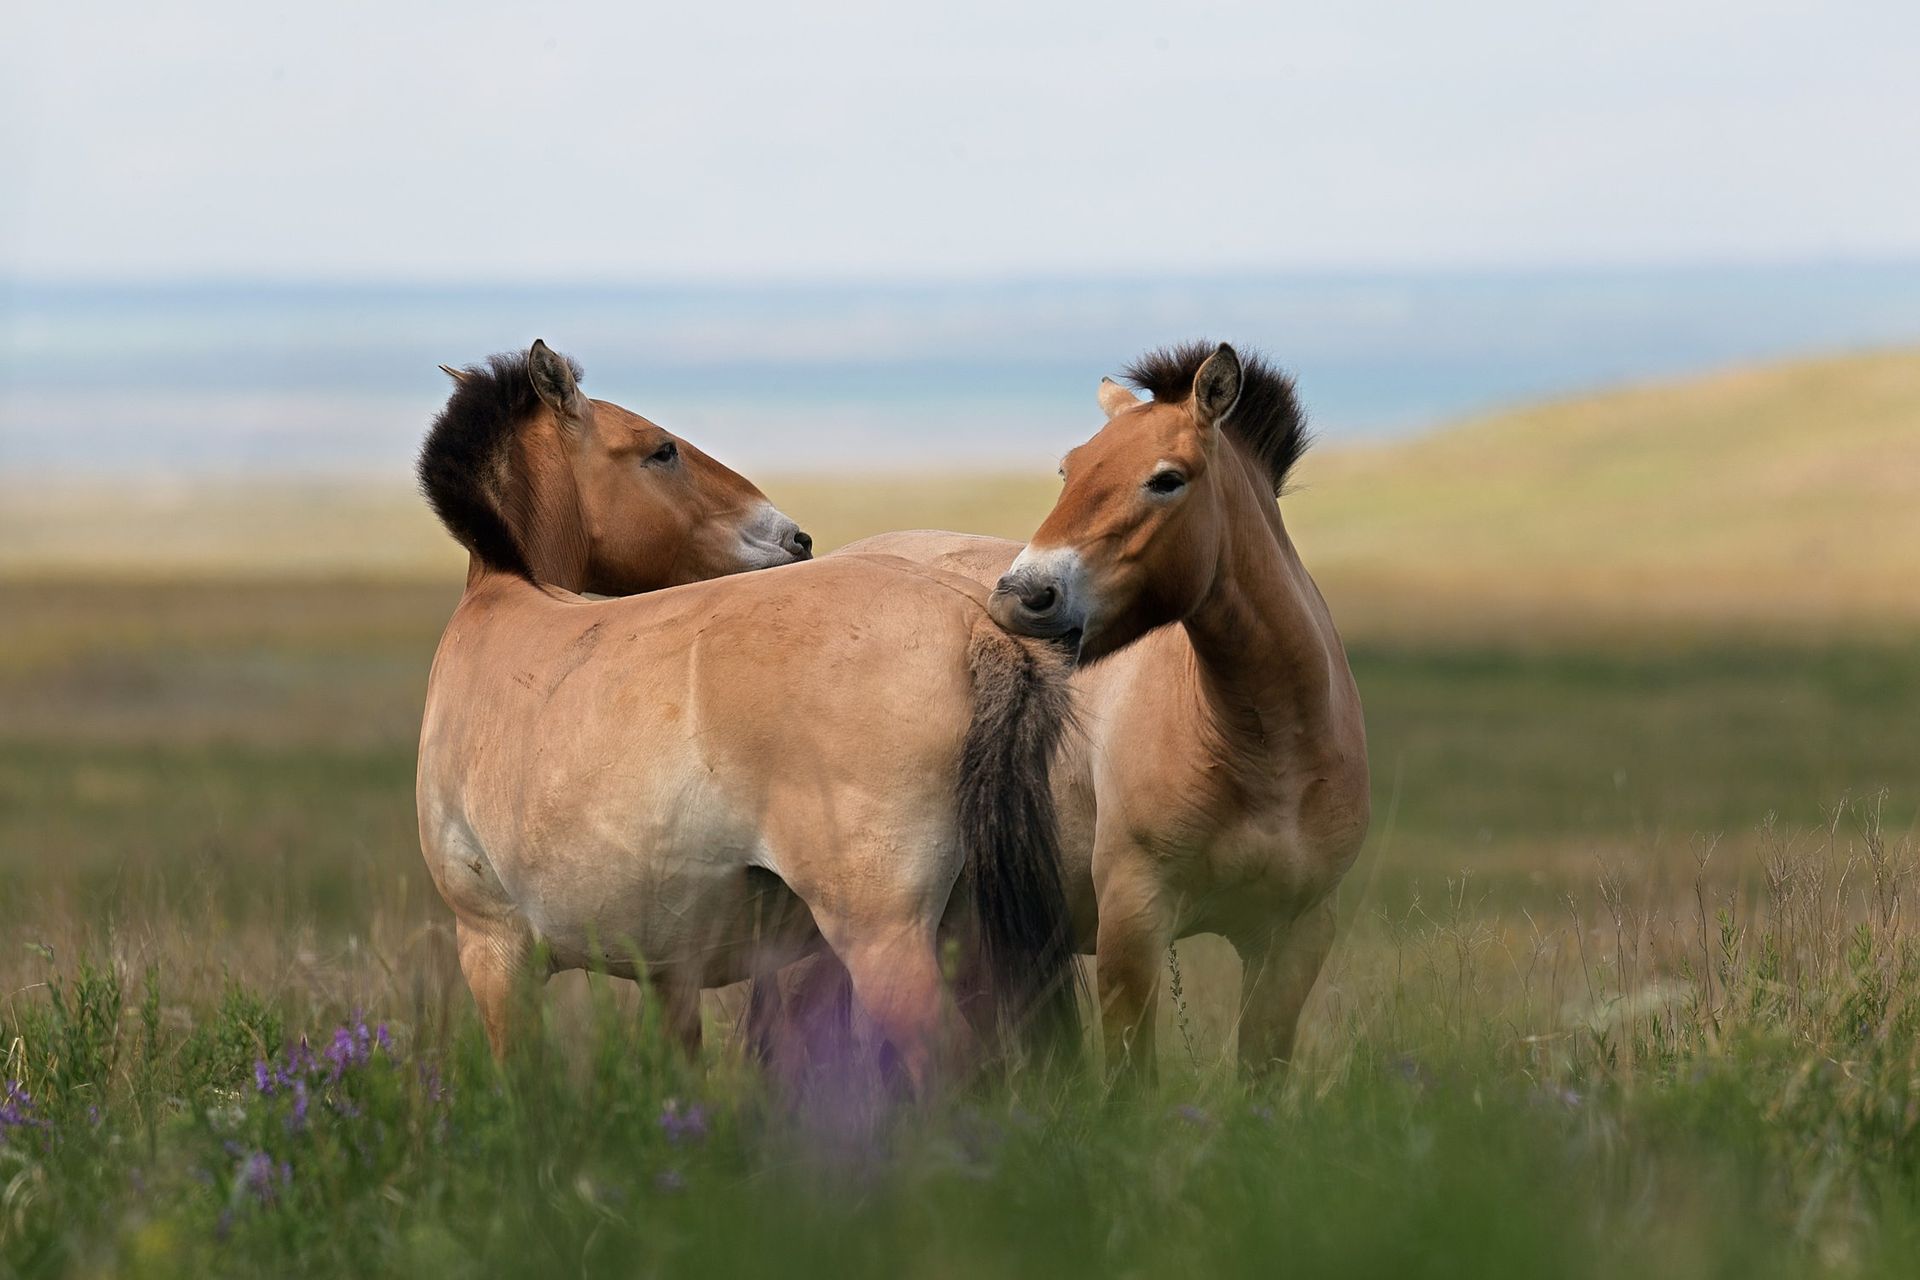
point(1220, 783)
point(702, 782)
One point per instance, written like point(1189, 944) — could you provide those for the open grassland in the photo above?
point(1629, 975)
point(263, 734)
point(1550, 1042)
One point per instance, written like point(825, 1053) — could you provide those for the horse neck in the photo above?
point(489, 586)
point(551, 523)
point(1266, 656)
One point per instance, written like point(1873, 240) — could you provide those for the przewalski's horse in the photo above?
point(702, 782)
point(1220, 783)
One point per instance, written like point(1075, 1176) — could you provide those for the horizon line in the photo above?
point(1014, 278)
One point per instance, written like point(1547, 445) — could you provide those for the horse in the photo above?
point(1219, 783)
point(719, 771)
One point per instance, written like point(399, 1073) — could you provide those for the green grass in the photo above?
point(1731, 1092)
point(1549, 1041)
point(1516, 753)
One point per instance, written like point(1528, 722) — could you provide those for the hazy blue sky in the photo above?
point(630, 141)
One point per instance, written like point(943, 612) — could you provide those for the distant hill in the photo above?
point(1785, 493)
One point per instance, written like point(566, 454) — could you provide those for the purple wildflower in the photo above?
point(384, 1040)
point(341, 1054)
point(16, 1109)
point(683, 1125)
point(257, 1175)
point(300, 1060)
point(1193, 1115)
point(263, 1078)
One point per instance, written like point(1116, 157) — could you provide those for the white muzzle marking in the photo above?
point(1063, 570)
point(765, 538)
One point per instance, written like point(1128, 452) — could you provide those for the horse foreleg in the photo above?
point(679, 997)
point(1135, 931)
point(493, 956)
point(1278, 971)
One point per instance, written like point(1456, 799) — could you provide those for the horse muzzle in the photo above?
point(772, 539)
point(1036, 600)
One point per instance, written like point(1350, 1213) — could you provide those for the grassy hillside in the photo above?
point(1768, 493)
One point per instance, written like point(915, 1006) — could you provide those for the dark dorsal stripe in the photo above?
point(469, 468)
point(1266, 419)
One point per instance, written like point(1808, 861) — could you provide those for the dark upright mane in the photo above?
point(1266, 418)
point(467, 467)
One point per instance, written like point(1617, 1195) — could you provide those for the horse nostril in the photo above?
point(800, 543)
point(1040, 601)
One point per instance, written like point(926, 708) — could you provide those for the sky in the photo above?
point(576, 143)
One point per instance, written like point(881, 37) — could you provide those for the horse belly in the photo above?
point(660, 882)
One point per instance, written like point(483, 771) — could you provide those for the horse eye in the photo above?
point(665, 453)
point(1166, 482)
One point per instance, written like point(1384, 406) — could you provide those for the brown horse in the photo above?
point(701, 782)
point(1220, 783)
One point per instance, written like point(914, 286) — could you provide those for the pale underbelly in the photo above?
point(691, 896)
point(697, 921)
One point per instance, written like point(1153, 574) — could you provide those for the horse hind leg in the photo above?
point(896, 978)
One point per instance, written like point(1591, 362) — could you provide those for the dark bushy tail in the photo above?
point(1011, 837)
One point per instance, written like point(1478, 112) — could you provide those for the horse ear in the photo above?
point(1116, 399)
point(1216, 387)
point(554, 381)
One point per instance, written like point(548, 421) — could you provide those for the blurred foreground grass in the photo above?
point(1707, 1072)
